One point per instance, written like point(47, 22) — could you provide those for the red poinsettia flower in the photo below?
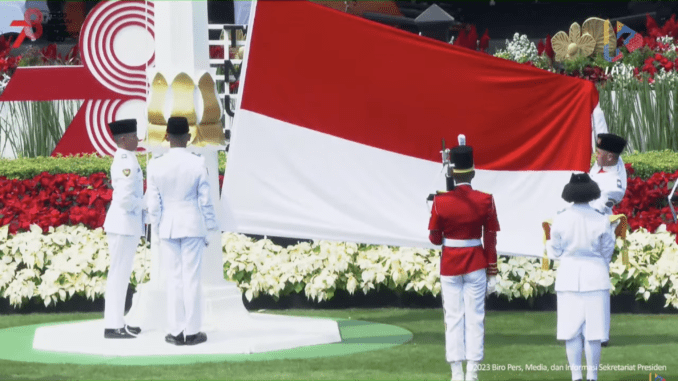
point(472, 38)
point(73, 56)
point(461, 38)
point(484, 41)
point(53, 200)
point(651, 26)
point(216, 52)
point(670, 27)
point(5, 45)
point(233, 87)
point(548, 48)
point(49, 54)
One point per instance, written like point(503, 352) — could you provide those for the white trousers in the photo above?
point(574, 347)
point(464, 309)
point(183, 260)
point(121, 249)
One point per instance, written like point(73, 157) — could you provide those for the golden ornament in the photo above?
point(576, 44)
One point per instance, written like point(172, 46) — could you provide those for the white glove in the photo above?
point(491, 285)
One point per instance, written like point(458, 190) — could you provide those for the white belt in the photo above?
point(461, 242)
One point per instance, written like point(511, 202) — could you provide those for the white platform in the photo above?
point(258, 333)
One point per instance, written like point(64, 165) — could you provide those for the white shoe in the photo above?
point(472, 371)
point(457, 371)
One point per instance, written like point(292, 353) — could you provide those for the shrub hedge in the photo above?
point(85, 165)
point(644, 164)
point(648, 163)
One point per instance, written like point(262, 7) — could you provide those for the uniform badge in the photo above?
point(126, 172)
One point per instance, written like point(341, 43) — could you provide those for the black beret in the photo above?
point(177, 125)
point(611, 143)
point(124, 126)
point(462, 158)
point(581, 189)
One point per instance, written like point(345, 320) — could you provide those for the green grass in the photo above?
point(513, 339)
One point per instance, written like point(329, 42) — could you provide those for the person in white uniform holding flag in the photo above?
point(180, 209)
point(124, 226)
point(583, 240)
point(610, 174)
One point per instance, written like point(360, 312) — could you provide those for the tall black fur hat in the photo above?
point(177, 125)
point(611, 143)
point(462, 158)
point(124, 126)
point(581, 189)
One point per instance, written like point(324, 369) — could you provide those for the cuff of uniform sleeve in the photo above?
point(492, 269)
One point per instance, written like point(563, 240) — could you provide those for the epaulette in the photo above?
point(561, 210)
point(196, 154)
point(433, 195)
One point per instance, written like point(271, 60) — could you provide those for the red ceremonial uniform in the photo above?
point(465, 213)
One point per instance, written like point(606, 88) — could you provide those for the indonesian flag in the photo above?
point(338, 131)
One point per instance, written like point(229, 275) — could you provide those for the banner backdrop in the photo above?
point(339, 128)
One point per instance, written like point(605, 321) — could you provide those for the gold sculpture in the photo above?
point(596, 27)
point(210, 129)
point(583, 41)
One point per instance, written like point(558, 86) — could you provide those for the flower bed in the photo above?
point(645, 203)
point(638, 88)
point(657, 53)
point(71, 260)
point(53, 200)
point(52, 247)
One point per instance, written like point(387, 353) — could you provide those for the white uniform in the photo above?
point(583, 240)
point(181, 211)
point(612, 183)
point(123, 226)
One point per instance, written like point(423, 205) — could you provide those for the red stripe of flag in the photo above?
point(362, 81)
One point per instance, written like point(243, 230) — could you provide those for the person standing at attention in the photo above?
point(180, 209)
point(465, 222)
point(583, 240)
point(124, 226)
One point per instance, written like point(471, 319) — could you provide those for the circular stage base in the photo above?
point(357, 336)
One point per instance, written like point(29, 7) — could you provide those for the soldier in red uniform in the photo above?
point(464, 221)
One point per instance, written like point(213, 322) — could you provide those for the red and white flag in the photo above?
point(338, 132)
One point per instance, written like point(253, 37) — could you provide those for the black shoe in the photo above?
point(133, 330)
point(117, 333)
point(198, 338)
point(176, 340)
point(605, 344)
